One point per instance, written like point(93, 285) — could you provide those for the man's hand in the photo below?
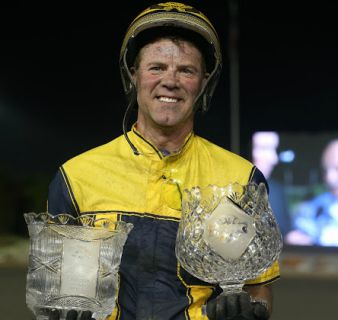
point(71, 315)
point(236, 307)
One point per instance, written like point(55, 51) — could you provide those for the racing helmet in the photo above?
point(176, 19)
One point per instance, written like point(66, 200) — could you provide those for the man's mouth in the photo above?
point(168, 99)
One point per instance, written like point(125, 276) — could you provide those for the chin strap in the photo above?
point(126, 120)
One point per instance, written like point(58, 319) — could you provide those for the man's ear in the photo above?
point(133, 74)
point(206, 77)
point(132, 70)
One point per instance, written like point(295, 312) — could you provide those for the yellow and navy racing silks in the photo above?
point(146, 190)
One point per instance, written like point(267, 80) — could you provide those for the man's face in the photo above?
point(168, 79)
point(264, 151)
point(330, 166)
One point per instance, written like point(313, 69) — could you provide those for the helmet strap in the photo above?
point(126, 117)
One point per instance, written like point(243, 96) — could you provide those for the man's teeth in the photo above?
point(166, 99)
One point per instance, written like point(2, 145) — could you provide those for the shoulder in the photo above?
point(226, 163)
point(323, 199)
point(222, 155)
point(98, 153)
point(219, 152)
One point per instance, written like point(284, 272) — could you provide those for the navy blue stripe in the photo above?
point(158, 153)
point(70, 190)
point(139, 214)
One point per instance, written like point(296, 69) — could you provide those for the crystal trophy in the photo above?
point(73, 263)
point(227, 235)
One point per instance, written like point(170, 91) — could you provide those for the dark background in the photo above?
point(60, 89)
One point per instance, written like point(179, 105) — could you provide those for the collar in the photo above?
point(145, 147)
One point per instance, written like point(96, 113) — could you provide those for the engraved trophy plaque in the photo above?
point(227, 235)
point(73, 263)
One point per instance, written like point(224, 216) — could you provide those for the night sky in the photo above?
point(60, 89)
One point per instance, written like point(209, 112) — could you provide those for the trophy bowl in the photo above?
point(73, 263)
point(227, 235)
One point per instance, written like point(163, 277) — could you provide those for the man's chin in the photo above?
point(166, 125)
point(171, 122)
point(167, 122)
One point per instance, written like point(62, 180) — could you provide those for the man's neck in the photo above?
point(168, 139)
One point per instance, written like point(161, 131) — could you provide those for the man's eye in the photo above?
point(188, 71)
point(155, 68)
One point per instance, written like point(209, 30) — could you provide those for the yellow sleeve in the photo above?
point(270, 275)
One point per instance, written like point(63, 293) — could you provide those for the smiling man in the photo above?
point(170, 64)
point(168, 78)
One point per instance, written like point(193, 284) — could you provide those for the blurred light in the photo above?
point(287, 156)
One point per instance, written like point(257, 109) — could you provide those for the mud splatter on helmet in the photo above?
point(183, 20)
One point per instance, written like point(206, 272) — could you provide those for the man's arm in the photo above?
point(261, 293)
point(60, 196)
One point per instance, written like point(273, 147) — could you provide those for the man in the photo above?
point(318, 218)
point(265, 158)
point(264, 151)
point(170, 64)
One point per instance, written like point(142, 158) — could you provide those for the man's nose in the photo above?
point(170, 79)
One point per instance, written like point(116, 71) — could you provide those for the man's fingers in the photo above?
point(211, 309)
point(260, 311)
point(54, 314)
point(71, 315)
point(221, 307)
point(245, 304)
point(86, 315)
point(232, 306)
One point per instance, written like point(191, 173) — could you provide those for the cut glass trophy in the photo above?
point(227, 235)
point(73, 263)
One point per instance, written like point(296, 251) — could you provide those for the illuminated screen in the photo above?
point(302, 172)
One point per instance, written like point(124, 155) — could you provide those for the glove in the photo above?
point(236, 307)
point(71, 315)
